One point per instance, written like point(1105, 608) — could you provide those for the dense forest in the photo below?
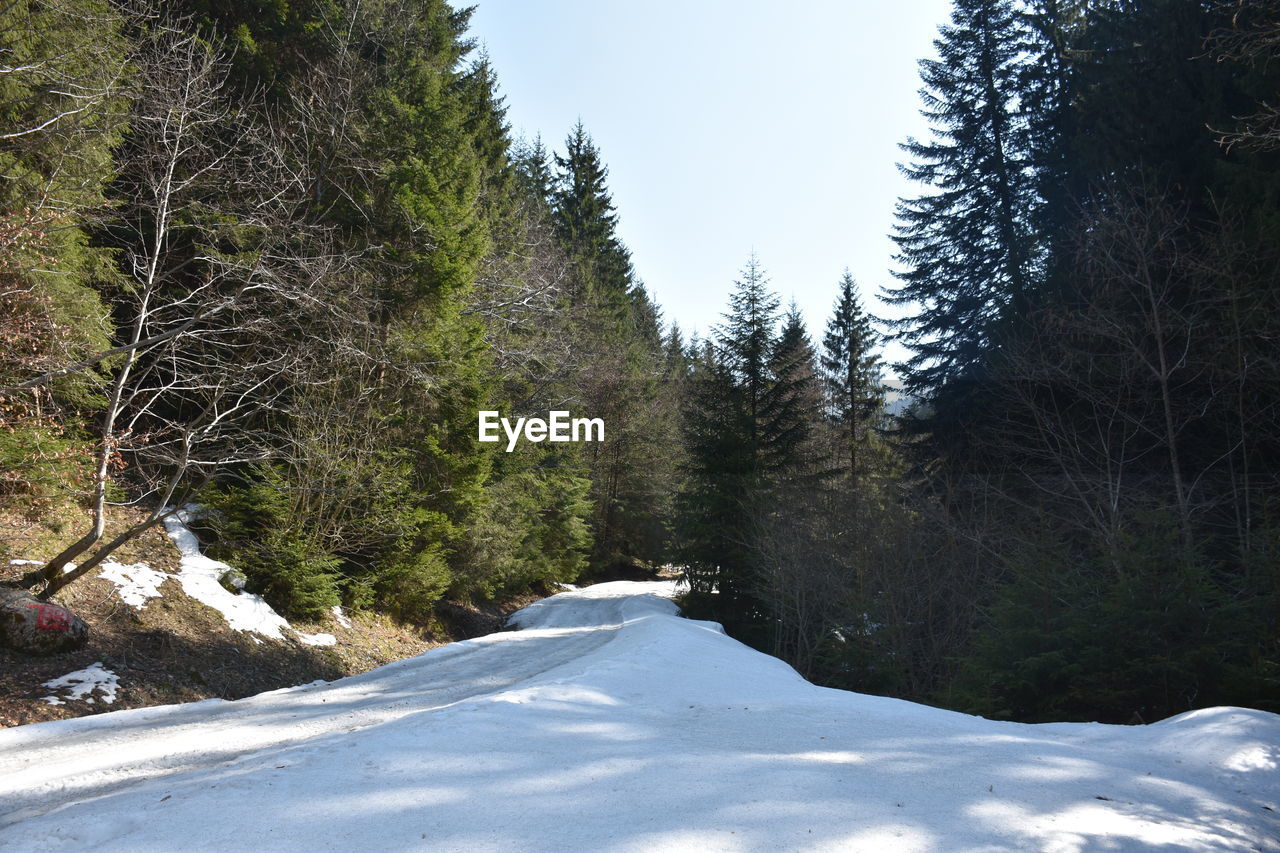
point(274, 258)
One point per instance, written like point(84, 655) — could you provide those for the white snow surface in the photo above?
point(316, 639)
point(82, 683)
point(69, 567)
point(608, 723)
point(136, 582)
point(199, 575)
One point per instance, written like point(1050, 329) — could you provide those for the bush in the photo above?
point(531, 532)
point(1134, 633)
point(251, 531)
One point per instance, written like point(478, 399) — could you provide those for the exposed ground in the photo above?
point(179, 650)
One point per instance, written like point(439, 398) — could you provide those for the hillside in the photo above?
point(164, 645)
point(608, 723)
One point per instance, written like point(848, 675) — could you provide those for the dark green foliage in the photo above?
point(40, 463)
point(1078, 523)
point(585, 222)
point(720, 480)
point(62, 107)
point(1095, 278)
point(851, 370)
point(533, 174)
point(967, 245)
point(406, 189)
point(533, 532)
point(253, 532)
point(794, 406)
point(1137, 634)
point(754, 403)
point(616, 329)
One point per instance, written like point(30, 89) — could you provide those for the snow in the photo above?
point(243, 611)
point(83, 682)
point(316, 639)
point(136, 582)
point(608, 723)
point(199, 578)
point(69, 567)
point(340, 616)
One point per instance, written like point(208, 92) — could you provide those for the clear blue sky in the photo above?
point(730, 126)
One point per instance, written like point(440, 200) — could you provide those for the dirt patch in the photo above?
point(175, 649)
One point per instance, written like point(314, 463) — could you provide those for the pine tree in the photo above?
point(967, 245)
point(851, 370)
point(586, 222)
point(486, 124)
point(744, 342)
point(734, 437)
point(62, 107)
point(793, 410)
point(534, 175)
point(406, 144)
point(719, 478)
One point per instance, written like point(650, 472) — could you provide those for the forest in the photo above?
point(275, 259)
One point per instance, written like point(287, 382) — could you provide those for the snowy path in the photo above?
point(608, 723)
point(78, 760)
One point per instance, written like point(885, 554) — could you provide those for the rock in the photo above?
point(233, 580)
point(38, 627)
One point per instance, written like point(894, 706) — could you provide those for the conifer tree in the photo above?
point(586, 222)
point(967, 244)
point(534, 175)
point(793, 410)
point(486, 124)
point(62, 109)
point(719, 477)
point(851, 370)
point(745, 341)
point(736, 435)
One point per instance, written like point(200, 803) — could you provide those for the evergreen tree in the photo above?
point(719, 480)
point(586, 222)
point(793, 410)
point(745, 341)
point(967, 245)
point(63, 109)
point(534, 175)
point(851, 370)
point(738, 428)
point(486, 124)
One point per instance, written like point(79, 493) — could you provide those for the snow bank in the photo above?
point(199, 578)
point(69, 567)
point(137, 583)
point(609, 724)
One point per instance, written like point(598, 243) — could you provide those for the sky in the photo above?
point(730, 127)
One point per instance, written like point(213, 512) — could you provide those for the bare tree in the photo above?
point(1110, 390)
point(1253, 38)
point(229, 293)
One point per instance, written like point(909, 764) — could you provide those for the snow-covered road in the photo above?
point(609, 724)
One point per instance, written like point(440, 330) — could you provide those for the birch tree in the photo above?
point(227, 298)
